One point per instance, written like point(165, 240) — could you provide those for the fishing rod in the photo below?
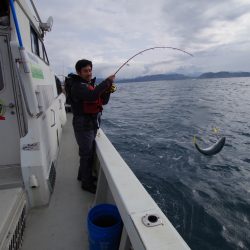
point(140, 52)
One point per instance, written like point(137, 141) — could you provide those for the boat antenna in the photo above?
point(140, 52)
point(34, 8)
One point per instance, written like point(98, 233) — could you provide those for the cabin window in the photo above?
point(1, 77)
point(34, 42)
point(4, 12)
point(37, 46)
point(41, 49)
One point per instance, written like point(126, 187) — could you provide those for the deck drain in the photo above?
point(151, 220)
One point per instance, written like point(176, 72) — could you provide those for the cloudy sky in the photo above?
point(108, 32)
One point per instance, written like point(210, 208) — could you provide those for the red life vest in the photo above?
point(93, 107)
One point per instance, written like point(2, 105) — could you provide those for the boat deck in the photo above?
point(62, 224)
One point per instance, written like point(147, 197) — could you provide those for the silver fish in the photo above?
point(212, 150)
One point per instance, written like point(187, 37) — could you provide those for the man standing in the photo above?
point(86, 103)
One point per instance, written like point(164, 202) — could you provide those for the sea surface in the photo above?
point(152, 125)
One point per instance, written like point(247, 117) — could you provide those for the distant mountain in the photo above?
point(224, 74)
point(160, 77)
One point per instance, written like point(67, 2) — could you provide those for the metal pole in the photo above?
point(16, 23)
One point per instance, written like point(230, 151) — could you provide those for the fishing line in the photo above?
point(212, 150)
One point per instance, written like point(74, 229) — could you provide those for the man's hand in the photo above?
point(111, 78)
point(112, 88)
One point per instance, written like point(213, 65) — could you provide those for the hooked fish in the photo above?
point(212, 150)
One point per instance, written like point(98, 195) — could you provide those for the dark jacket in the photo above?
point(80, 92)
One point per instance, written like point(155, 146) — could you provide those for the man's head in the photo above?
point(84, 69)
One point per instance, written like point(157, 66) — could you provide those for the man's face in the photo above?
point(86, 73)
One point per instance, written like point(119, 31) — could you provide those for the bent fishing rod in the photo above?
point(140, 52)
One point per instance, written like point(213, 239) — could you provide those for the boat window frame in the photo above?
point(46, 59)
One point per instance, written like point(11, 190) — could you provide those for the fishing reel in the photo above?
point(113, 88)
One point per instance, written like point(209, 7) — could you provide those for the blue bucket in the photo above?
point(105, 227)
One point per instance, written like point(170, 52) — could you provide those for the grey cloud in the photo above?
point(190, 17)
point(109, 32)
point(149, 68)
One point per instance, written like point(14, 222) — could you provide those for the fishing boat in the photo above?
point(42, 205)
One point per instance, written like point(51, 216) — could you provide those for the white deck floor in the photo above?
point(61, 225)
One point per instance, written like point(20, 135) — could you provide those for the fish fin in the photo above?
point(194, 139)
point(215, 130)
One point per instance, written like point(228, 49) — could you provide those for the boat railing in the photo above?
point(145, 225)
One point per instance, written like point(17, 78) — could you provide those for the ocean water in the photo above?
point(152, 125)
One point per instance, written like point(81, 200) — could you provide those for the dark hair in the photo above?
point(82, 63)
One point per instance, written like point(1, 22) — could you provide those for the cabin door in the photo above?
point(9, 129)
